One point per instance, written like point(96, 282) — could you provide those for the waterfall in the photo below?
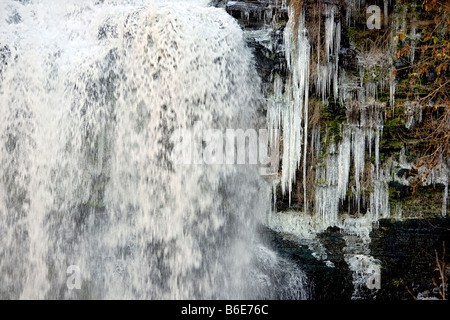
point(91, 94)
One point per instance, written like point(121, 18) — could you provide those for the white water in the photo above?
point(89, 96)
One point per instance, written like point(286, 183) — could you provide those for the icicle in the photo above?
point(327, 73)
point(379, 198)
point(358, 151)
point(305, 76)
point(293, 114)
point(305, 152)
point(440, 175)
point(392, 93)
point(445, 196)
point(413, 36)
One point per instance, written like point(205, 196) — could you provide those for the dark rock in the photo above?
point(406, 250)
point(348, 59)
point(326, 282)
point(256, 13)
point(263, 23)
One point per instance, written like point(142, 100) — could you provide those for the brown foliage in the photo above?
point(428, 82)
point(443, 269)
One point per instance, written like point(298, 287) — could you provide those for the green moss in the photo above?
point(335, 127)
point(426, 202)
point(352, 33)
point(332, 118)
point(392, 136)
point(384, 96)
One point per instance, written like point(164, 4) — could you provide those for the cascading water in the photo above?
point(90, 95)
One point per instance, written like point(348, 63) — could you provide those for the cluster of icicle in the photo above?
point(288, 110)
point(327, 71)
point(362, 131)
point(344, 172)
point(333, 174)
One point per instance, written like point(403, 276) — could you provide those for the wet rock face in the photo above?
point(326, 282)
point(266, 45)
point(257, 13)
point(405, 249)
point(361, 75)
point(348, 59)
point(263, 23)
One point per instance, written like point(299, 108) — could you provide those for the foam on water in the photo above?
point(90, 95)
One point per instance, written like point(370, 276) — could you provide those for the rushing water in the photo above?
point(90, 95)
